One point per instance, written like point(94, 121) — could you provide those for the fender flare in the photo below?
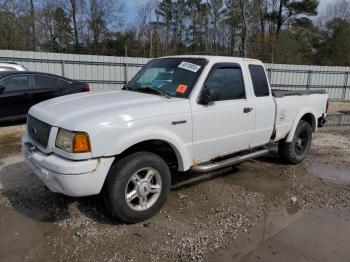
point(130, 139)
point(297, 119)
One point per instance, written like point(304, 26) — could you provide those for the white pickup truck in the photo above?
point(196, 113)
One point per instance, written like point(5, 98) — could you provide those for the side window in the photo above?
point(260, 84)
point(15, 83)
point(48, 82)
point(229, 81)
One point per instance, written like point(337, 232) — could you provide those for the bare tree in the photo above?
point(56, 27)
point(74, 10)
point(216, 11)
point(337, 9)
point(244, 26)
point(146, 32)
point(32, 20)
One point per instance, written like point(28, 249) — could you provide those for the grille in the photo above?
point(38, 130)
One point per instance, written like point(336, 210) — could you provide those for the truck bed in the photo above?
point(291, 105)
point(282, 93)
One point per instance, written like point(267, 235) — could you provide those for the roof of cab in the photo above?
point(217, 58)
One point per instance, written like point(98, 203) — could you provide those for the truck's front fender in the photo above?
point(299, 116)
point(182, 149)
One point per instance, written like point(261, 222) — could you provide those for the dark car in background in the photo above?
point(21, 90)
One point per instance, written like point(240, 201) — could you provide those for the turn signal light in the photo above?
point(81, 143)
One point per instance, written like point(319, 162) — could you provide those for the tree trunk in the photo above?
point(75, 27)
point(244, 33)
point(32, 17)
point(279, 19)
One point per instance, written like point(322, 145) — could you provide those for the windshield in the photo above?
point(174, 77)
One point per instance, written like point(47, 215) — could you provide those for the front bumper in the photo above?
point(61, 175)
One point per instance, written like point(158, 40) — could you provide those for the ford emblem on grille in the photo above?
point(33, 130)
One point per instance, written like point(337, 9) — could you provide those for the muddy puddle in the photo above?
point(10, 140)
point(316, 235)
point(328, 172)
point(270, 185)
point(9, 144)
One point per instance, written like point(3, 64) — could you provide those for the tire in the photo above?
point(125, 193)
point(295, 152)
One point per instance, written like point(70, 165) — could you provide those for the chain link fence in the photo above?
point(110, 73)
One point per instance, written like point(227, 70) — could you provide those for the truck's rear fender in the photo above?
point(182, 150)
point(308, 114)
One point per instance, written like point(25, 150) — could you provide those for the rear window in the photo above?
point(260, 84)
point(41, 81)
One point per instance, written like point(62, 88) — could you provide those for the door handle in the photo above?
point(247, 110)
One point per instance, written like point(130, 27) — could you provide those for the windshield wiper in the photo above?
point(154, 90)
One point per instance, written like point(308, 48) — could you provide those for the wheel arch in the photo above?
point(153, 141)
point(308, 115)
point(162, 148)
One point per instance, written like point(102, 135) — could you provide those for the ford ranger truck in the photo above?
point(198, 113)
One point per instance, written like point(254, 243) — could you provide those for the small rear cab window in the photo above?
point(260, 84)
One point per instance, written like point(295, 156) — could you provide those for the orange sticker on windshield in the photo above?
point(181, 89)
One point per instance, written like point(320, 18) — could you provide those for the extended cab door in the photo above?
point(264, 105)
point(226, 124)
point(14, 98)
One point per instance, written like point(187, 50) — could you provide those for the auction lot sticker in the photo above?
point(189, 66)
point(181, 89)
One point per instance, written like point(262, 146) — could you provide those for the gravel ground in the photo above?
point(204, 214)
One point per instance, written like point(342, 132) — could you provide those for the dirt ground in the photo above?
point(261, 210)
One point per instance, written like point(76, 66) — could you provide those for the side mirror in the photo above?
point(2, 89)
point(209, 94)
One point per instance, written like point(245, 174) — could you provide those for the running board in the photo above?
point(204, 168)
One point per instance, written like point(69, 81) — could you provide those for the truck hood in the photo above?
point(75, 111)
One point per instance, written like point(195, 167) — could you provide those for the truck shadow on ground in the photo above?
point(273, 158)
point(27, 195)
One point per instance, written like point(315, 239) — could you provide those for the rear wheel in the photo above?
point(295, 151)
point(137, 187)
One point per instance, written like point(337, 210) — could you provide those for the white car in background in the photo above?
point(11, 66)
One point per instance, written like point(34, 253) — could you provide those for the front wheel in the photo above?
point(295, 152)
point(137, 187)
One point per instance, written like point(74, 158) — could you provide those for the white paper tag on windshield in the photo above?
point(189, 66)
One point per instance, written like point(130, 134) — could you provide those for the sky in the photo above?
point(130, 9)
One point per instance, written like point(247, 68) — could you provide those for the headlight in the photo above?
point(73, 142)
